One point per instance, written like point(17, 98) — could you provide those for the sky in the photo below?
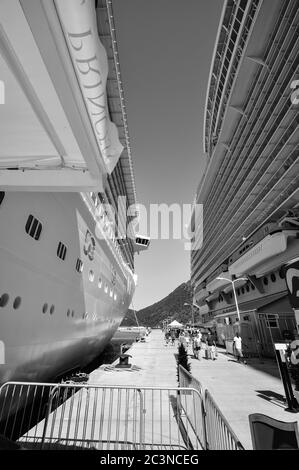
point(165, 50)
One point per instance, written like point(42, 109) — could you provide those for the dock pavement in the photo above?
point(238, 389)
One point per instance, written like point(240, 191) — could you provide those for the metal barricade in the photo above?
point(76, 416)
point(194, 414)
point(206, 419)
point(220, 435)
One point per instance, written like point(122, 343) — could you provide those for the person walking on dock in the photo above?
point(182, 340)
point(167, 337)
point(237, 347)
point(211, 346)
point(197, 345)
point(173, 338)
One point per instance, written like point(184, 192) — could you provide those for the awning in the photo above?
point(275, 303)
point(262, 302)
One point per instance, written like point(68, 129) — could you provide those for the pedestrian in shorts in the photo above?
point(237, 346)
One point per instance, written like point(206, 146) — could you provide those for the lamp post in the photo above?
point(235, 295)
point(192, 312)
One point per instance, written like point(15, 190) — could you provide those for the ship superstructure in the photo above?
point(249, 190)
point(66, 179)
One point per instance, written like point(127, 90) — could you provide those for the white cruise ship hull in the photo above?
point(54, 318)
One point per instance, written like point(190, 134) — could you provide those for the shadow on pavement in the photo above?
point(273, 397)
point(264, 364)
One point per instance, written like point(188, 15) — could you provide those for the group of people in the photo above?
point(170, 337)
point(199, 342)
point(202, 342)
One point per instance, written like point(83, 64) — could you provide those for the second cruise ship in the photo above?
point(250, 189)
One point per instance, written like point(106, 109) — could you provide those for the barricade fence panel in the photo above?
point(76, 416)
point(211, 427)
point(195, 412)
point(220, 435)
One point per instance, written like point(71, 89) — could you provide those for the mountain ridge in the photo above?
point(171, 307)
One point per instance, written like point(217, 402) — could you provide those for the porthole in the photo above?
point(33, 227)
point(281, 273)
point(79, 265)
point(4, 300)
point(100, 283)
point(243, 290)
point(106, 289)
point(61, 251)
point(52, 309)
point(45, 308)
point(273, 277)
point(111, 293)
point(247, 288)
point(91, 275)
point(17, 303)
point(115, 297)
point(68, 312)
point(265, 281)
point(73, 313)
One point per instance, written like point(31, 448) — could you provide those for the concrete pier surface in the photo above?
point(238, 389)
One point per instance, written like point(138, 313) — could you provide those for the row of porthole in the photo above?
point(265, 282)
point(46, 308)
point(4, 299)
point(100, 283)
point(242, 289)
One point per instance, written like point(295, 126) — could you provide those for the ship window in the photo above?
point(68, 312)
point(4, 300)
point(115, 297)
point(52, 309)
point(243, 4)
point(17, 303)
point(106, 289)
point(45, 308)
point(100, 283)
point(273, 277)
point(73, 313)
point(239, 15)
point(2, 194)
point(243, 290)
point(61, 251)
point(79, 265)
point(91, 275)
point(247, 288)
point(281, 273)
point(33, 227)
point(265, 281)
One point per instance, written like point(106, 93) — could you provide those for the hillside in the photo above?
point(172, 307)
